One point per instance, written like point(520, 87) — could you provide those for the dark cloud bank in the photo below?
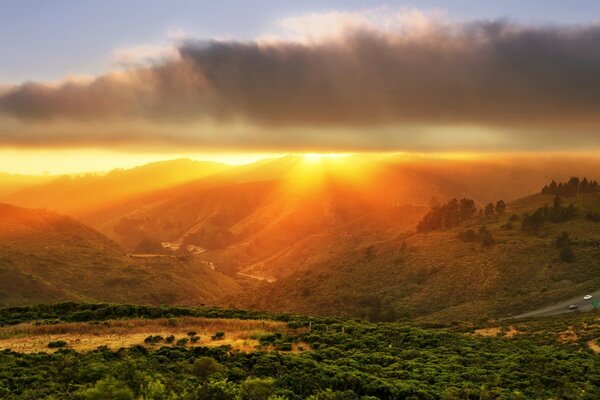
point(485, 73)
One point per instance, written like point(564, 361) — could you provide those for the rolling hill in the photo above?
point(47, 257)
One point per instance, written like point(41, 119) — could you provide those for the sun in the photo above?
point(313, 158)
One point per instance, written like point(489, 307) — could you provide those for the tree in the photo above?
point(204, 367)
point(485, 236)
point(257, 389)
point(108, 389)
point(488, 210)
point(500, 207)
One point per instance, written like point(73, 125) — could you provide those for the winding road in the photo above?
point(563, 306)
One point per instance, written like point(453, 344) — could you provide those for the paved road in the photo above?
point(563, 306)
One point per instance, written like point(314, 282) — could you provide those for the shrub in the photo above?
point(285, 347)
point(257, 389)
point(57, 344)
point(194, 339)
point(563, 240)
point(191, 334)
point(182, 342)
point(108, 388)
point(592, 216)
point(567, 255)
point(204, 367)
point(218, 335)
point(170, 339)
point(468, 236)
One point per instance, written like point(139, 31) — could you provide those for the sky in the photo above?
point(122, 82)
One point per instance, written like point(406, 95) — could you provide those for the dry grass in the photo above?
point(488, 331)
point(568, 336)
point(594, 346)
point(30, 338)
point(495, 331)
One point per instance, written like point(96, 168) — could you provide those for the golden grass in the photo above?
point(81, 336)
point(495, 331)
point(568, 336)
point(594, 346)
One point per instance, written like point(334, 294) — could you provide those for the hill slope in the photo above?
point(437, 276)
point(47, 257)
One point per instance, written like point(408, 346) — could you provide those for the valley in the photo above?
point(227, 236)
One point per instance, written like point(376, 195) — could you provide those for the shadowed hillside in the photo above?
point(47, 257)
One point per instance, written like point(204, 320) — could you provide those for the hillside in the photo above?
point(46, 257)
point(438, 277)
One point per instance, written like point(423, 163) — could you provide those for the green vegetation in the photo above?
point(348, 359)
point(448, 215)
point(557, 213)
point(57, 344)
point(484, 236)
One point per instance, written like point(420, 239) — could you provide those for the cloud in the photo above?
point(338, 80)
point(136, 56)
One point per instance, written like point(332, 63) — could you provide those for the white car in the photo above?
point(587, 297)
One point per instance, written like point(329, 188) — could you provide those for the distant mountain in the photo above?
point(46, 257)
point(81, 195)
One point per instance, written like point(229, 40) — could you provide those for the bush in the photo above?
point(108, 388)
point(191, 334)
point(592, 216)
point(194, 339)
point(182, 342)
point(563, 240)
point(57, 344)
point(567, 255)
point(468, 236)
point(218, 335)
point(204, 367)
point(257, 389)
point(170, 339)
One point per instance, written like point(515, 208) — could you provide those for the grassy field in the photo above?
point(83, 336)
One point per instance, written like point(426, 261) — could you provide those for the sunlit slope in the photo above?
point(82, 195)
point(436, 276)
point(244, 223)
point(11, 183)
point(48, 257)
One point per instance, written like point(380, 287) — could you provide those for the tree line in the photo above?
point(572, 187)
point(455, 212)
